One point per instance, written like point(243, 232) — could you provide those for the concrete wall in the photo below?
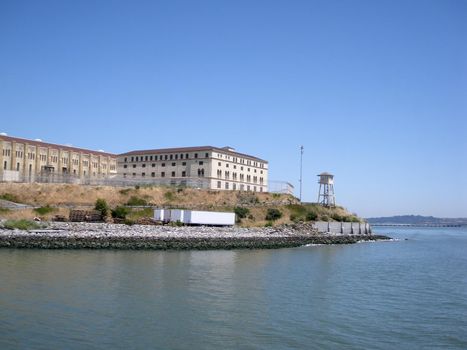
point(346, 228)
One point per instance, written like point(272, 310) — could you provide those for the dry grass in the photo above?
point(64, 196)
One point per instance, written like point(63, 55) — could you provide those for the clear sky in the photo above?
point(376, 91)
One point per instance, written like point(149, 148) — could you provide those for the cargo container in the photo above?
point(195, 217)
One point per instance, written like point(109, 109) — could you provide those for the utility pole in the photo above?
point(301, 167)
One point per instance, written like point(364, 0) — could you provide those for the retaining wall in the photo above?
point(347, 228)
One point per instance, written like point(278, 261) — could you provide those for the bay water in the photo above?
point(405, 294)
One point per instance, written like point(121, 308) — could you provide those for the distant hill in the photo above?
point(417, 220)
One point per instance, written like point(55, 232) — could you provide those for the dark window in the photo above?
point(183, 163)
point(173, 164)
point(187, 156)
point(201, 162)
point(134, 165)
point(125, 160)
point(181, 156)
point(173, 173)
point(153, 174)
point(171, 157)
point(166, 157)
point(125, 166)
point(136, 158)
point(132, 159)
point(163, 164)
point(176, 156)
point(163, 174)
point(150, 158)
point(183, 173)
point(196, 155)
point(143, 174)
point(207, 155)
point(153, 165)
point(219, 163)
point(218, 184)
point(144, 165)
point(146, 158)
point(134, 174)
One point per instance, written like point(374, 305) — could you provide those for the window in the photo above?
point(183, 173)
point(146, 158)
point(150, 158)
point(125, 166)
point(183, 163)
point(219, 163)
point(125, 160)
point(219, 184)
point(181, 156)
point(132, 159)
point(171, 157)
point(242, 187)
point(163, 164)
point(162, 174)
point(201, 162)
point(134, 174)
point(234, 187)
point(4, 165)
point(261, 189)
point(206, 155)
point(176, 156)
point(143, 174)
point(173, 173)
point(134, 165)
point(187, 156)
point(173, 164)
point(144, 165)
point(196, 155)
point(165, 157)
point(153, 174)
point(226, 185)
point(235, 167)
point(227, 165)
point(153, 165)
point(136, 158)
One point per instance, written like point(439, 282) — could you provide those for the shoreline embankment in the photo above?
point(136, 237)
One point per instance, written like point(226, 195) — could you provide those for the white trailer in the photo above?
point(162, 215)
point(195, 217)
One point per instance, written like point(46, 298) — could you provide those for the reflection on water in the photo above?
point(404, 294)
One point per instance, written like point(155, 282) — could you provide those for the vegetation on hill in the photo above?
point(252, 209)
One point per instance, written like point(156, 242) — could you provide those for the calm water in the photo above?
point(409, 294)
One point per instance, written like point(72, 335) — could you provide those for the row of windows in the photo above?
point(241, 187)
point(241, 160)
point(162, 157)
point(241, 168)
point(7, 152)
point(125, 166)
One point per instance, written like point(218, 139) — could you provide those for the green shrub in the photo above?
point(44, 210)
point(324, 218)
point(21, 225)
point(125, 191)
point(102, 206)
point(143, 213)
point(311, 216)
point(129, 222)
point(136, 201)
point(295, 218)
point(337, 217)
point(170, 196)
point(9, 197)
point(4, 210)
point(120, 212)
point(273, 214)
point(268, 224)
point(137, 187)
point(241, 212)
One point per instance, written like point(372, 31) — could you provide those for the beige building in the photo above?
point(29, 160)
point(217, 168)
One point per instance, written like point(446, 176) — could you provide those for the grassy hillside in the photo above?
point(253, 209)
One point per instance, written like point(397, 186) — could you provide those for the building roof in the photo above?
point(325, 174)
point(53, 145)
point(192, 149)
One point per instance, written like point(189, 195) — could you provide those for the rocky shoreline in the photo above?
point(113, 236)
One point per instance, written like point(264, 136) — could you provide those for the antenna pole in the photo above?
point(301, 167)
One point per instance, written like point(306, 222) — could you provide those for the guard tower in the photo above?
point(326, 195)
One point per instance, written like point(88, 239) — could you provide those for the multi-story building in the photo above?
point(26, 160)
point(218, 168)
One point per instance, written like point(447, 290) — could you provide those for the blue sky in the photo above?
point(376, 91)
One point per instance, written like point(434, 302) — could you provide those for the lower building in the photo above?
point(26, 160)
point(218, 168)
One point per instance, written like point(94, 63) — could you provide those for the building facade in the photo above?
point(216, 168)
point(30, 160)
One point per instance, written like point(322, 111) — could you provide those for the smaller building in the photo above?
point(25, 160)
